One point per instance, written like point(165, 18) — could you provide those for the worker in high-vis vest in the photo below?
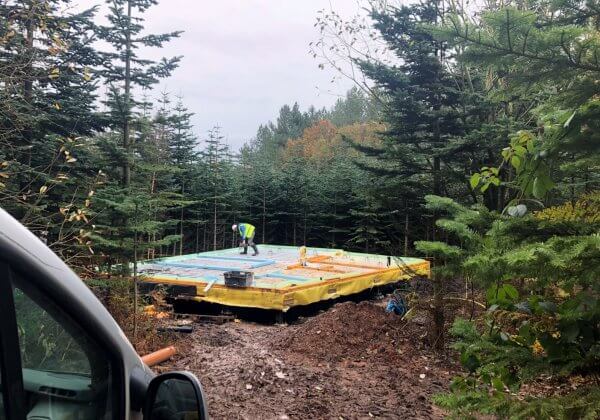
point(246, 231)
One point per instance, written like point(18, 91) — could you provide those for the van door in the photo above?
point(62, 372)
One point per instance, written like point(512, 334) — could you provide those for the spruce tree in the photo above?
point(184, 156)
point(139, 195)
point(215, 181)
point(124, 69)
point(423, 112)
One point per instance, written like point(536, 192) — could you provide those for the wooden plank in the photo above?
point(209, 285)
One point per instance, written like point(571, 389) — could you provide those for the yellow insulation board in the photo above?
point(285, 293)
point(283, 300)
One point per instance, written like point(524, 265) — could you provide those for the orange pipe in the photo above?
point(159, 356)
point(343, 264)
point(318, 258)
point(330, 260)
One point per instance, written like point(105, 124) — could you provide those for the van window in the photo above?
point(66, 375)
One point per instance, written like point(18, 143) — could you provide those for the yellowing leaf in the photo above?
point(54, 73)
point(43, 189)
point(57, 106)
point(71, 160)
point(87, 75)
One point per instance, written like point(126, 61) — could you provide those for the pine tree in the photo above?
point(184, 142)
point(215, 182)
point(423, 112)
point(124, 70)
point(135, 216)
point(355, 107)
point(183, 155)
point(260, 184)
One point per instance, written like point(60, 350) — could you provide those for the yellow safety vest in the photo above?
point(248, 230)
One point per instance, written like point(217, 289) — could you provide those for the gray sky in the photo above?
point(244, 59)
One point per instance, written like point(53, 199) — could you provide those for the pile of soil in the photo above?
point(347, 331)
point(352, 361)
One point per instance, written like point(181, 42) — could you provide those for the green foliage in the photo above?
point(582, 403)
point(586, 210)
point(540, 272)
point(543, 309)
point(46, 107)
point(308, 189)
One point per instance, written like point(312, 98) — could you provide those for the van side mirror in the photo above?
point(175, 395)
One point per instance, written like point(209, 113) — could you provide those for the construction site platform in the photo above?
point(284, 276)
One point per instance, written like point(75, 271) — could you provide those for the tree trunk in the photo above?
point(264, 214)
point(215, 224)
point(437, 339)
point(26, 154)
point(437, 181)
point(181, 224)
point(406, 234)
point(197, 249)
point(294, 237)
point(126, 141)
point(135, 279)
point(304, 234)
point(28, 83)
point(334, 219)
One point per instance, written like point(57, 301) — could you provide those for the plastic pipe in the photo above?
point(159, 356)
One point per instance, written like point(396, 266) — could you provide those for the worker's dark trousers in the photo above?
point(250, 241)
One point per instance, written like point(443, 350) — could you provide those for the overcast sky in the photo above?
point(244, 59)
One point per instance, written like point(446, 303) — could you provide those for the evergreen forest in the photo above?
point(471, 138)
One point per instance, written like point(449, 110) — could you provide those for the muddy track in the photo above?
point(353, 361)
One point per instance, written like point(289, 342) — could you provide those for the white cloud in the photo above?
point(244, 59)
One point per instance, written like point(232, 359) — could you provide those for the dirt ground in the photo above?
point(352, 361)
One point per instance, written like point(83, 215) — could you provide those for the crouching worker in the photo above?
point(246, 231)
